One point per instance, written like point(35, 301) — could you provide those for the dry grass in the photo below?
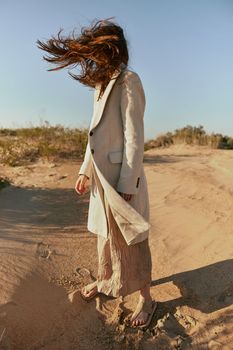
point(25, 145)
point(191, 135)
point(4, 182)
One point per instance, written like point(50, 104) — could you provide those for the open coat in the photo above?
point(114, 152)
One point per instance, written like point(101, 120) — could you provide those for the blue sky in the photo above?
point(182, 50)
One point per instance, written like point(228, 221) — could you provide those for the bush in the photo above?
point(191, 135)
point(4, 182)
point(25, 145)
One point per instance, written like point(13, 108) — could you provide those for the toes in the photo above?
point(138, 321)
point(87, 292)
point(84, 290)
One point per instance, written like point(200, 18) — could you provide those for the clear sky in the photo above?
point(182, 50)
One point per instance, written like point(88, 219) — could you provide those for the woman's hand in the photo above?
point(126, 196)
point(81, 186)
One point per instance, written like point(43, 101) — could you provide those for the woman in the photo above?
point(113, 164)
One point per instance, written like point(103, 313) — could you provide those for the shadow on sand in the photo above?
point(208, 289)
point(40, 315)
point(168, 158)
point(27, 210)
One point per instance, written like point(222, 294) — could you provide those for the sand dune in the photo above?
point(44, 240)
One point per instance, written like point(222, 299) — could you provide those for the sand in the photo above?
point(44, 242)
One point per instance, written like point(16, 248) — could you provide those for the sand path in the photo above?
point(43, 240)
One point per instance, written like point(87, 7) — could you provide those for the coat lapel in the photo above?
point(99, 105)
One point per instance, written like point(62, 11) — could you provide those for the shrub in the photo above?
point(25, 145)
point(4, 182)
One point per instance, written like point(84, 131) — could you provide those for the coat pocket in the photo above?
point(115, 156)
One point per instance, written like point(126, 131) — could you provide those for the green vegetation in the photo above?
point(25, 145)
point(4, 182)
point(191, 135)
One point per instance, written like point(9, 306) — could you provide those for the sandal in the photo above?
point(88, 288)
point(148, 307)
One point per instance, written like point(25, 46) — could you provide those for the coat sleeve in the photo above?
point(87, 163)
point(86, 167)
point(132, 111)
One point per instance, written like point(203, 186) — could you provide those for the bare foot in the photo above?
point(141, 317)
point(89, 289)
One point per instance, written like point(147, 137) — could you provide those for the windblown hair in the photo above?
point(99, 51)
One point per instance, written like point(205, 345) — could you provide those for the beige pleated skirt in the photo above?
point(122, 269)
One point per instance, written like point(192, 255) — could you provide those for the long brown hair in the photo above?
point(99, 51)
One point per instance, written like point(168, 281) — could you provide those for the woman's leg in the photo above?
point(89, 289)
point(122, 269)
point(104, 274)
point(145, 297)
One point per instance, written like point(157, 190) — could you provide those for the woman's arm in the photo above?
point(132, 111)
point(85, 168)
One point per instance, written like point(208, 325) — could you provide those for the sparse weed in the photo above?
point(25, 145)
point(191, 135)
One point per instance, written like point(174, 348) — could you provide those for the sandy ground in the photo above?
point(44, 242)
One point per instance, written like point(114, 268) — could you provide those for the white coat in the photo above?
point(115, 149)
